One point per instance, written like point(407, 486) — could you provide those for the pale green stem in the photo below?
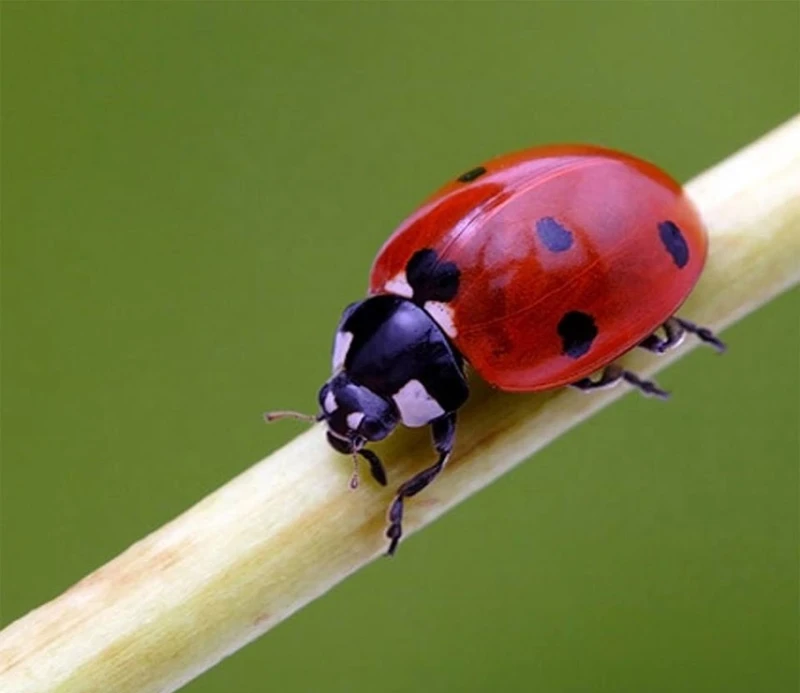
point(289, 528)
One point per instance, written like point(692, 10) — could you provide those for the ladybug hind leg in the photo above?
point(444, 433)
point(613, 375)
point(674, 331)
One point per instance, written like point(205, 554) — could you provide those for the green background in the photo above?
point(192, 192)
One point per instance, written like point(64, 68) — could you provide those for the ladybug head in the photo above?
point(355, 414)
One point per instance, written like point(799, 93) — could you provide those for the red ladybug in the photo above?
point(539, 269)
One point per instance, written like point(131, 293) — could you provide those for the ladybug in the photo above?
point(538, 269)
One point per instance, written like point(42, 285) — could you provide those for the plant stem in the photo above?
point(289, 528)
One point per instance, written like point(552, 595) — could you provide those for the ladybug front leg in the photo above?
point(615, 374)
point(674, 330)
point(444, 433)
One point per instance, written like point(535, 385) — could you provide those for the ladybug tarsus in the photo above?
point(703, 334)
point(646, 387)
point(614, 374)
point(394, 532)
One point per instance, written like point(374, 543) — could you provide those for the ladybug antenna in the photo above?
point(271, 416)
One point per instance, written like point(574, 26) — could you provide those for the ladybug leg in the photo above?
point(444, 433)
point(674, 331)
point(614, 374)
point(703, 333)
point(375, 465)
point(673, 336)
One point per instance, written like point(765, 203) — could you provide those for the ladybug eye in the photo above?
point(370, 428)
point(375, 429)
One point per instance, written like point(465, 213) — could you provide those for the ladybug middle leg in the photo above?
point(444, 433)
point(614, 374)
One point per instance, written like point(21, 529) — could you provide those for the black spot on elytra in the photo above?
point(471, 175)
point(556, 238)
point(577, 331)
point(673, 240)
point(430, 278)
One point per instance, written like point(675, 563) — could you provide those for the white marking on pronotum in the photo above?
point(416, 406)
point(443, 315)
point(399, 285)
point(341, 346)
point(354, 420)
point(330, 403)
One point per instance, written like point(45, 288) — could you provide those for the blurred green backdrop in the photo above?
point(193, 191)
